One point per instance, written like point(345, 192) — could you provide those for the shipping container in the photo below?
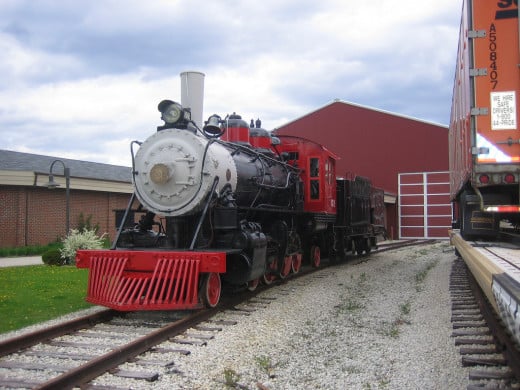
point(484, 138)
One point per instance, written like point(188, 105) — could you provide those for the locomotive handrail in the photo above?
point(123, 220)
point(277, 187)
point(204, 212)
point(249, 150)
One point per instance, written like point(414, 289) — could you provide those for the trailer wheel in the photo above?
point(210, 289)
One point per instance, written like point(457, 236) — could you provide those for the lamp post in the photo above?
point(52, 184)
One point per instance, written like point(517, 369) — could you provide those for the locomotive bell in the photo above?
point(213, 125)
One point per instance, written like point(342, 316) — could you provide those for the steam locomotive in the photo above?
point(228, 203)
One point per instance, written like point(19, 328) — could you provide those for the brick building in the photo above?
point(31, 213)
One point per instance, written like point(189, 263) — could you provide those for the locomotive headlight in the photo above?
point(171, 112)
point(160, 174)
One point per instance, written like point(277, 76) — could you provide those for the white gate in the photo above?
point(424, 205)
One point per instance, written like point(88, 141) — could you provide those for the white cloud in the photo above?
point(87, 85)
point(23, 66)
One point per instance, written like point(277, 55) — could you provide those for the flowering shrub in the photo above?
point(86, 239)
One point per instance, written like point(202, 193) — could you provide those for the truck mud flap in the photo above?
point(475, 223)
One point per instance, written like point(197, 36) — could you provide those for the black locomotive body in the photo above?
point(227, 203)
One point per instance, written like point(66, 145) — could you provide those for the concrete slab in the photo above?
point(20, 261)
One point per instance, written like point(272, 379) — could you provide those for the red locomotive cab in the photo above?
point(236, 130)
point(318, 165)
point(321, 182)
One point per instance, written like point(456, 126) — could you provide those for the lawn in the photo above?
point(32, 294)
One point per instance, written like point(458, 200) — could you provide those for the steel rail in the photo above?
point(83, 374)
point(17, 343)
point(96, 367)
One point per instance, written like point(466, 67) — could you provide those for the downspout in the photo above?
point(26, 223)
point(26, 219)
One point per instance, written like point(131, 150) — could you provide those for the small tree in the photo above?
point(85, 224)
point(86, 239)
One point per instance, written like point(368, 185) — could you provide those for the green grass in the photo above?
point(421, 275)
point(231, 378)
point(32, 294)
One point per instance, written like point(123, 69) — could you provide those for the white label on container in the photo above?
point(503, 110)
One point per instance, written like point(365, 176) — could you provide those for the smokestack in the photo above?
point(192, 94)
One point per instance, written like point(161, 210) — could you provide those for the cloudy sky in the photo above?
point(81, 79)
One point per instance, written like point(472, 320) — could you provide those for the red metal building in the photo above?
point(376, 144)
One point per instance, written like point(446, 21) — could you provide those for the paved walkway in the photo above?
point(19, 261)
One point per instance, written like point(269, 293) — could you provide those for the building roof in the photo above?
point(374, 143)
point(40, 164)
point(359, 106)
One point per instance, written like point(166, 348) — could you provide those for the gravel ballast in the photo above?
point(379, 323)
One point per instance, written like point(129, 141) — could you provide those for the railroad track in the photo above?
point(401, 244)
point(71, 360)
point(97, 344)
point(484, 343)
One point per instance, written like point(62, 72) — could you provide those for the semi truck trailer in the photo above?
point(484, 138)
